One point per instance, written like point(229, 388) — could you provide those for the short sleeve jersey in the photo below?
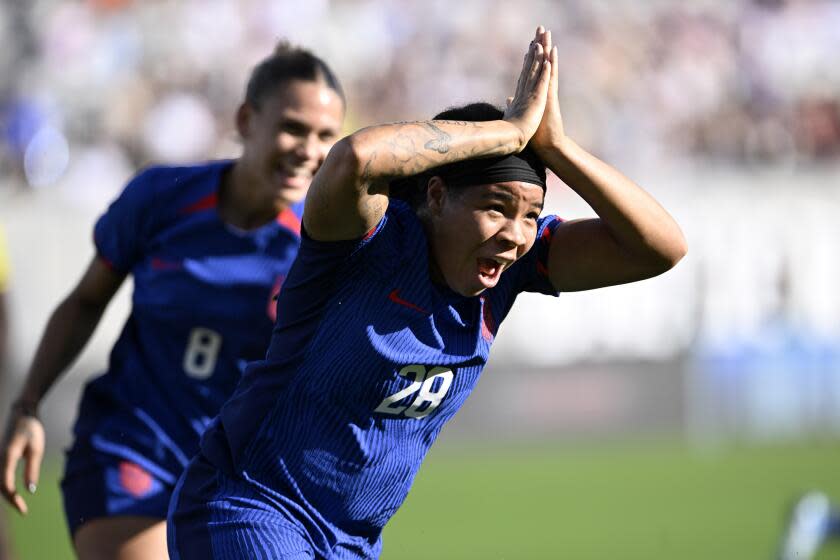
point(367, 363)
point(203, 306)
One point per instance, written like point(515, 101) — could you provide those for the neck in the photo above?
point(435, 275)
point(239, 204)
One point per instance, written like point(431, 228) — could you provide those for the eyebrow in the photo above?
point(507, 196)
point(294, 120)
point(497, 194)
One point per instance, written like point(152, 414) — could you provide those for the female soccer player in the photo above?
point(209, 246)
point(389, 313)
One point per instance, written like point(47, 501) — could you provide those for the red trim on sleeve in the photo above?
point(106, 262)
point(288, 219)
point(370, 233)
point(206, 203)
point(545, 238)
point(271, 310)
point(547, 233)
point(488, 323)
point(162, 264)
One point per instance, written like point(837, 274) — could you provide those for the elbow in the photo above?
point(679, 247)
point(79, 304)
point(671, 251)
point(347, 157)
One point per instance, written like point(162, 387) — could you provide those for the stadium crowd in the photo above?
point(95, 88)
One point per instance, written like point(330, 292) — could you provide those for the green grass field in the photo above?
point(643, 501)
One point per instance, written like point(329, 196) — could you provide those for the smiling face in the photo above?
point(478, 232)
point(287, 136)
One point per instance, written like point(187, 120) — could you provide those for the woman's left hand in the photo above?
point(550, 134)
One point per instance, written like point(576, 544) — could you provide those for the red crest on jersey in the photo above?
point(134, 479)
point(395, 297)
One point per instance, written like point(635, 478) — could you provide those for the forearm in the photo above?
point(349, 194)
point(638, 223)
point(68, 330)
point(403, 149)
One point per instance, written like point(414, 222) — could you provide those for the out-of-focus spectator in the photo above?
point(743, 82)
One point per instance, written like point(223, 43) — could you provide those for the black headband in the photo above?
point(525, 167)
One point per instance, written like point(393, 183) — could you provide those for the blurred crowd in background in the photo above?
point(727, 110)
point(122, 82)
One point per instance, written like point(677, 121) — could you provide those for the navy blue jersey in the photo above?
point(203, 306)
point(367, 363)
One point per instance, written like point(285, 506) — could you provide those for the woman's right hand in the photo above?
point(525, 109)
point(24, 438)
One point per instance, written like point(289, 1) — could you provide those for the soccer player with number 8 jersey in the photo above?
point(208, 246)
point(416, 240)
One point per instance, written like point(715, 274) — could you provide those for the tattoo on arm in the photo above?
point(374, 206)
point(366, 174)
point(440, 143)
point(407, 149)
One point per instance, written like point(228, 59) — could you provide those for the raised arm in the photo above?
point(349, 194)
point(68, 330)
point(633, 237)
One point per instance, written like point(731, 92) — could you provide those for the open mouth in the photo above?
point(489, 271)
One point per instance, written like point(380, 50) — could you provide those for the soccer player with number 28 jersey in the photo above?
point(208, 247)
point(417, 239)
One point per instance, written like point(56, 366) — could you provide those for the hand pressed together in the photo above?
point(526, 108)
point(550, 133)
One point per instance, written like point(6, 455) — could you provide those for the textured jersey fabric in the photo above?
point(367, 363)
point(202, 308)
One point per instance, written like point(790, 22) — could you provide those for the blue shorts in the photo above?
point(218, 516)
point(104, 485)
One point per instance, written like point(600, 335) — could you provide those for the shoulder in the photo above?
point(395, 243)
point(546, 226)
point(184, 187)
point(400, 219)
point(163, 178)
point(399, 232)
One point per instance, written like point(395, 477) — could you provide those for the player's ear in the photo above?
point(243, 119)
point(436, 191)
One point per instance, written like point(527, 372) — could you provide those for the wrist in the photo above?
point(520, 136)
point(560, 155)
point(557, 146)
point(24, 406)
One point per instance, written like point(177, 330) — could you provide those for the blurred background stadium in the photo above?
point(676, 418)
